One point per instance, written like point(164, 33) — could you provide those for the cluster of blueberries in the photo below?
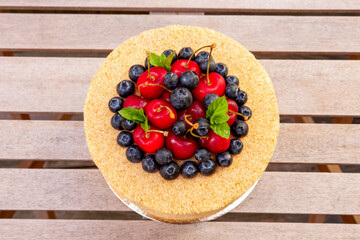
point(184, 91)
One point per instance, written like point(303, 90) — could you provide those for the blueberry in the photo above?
point(236, 146)
point(134, 154)
point(181, 98)
point(149, 164)
point(116, 104)
point(246, 111)
point(204, 66)
point(189, 169)
point(202, 128)
point(202, 154)
point(207, 168)
point(241, 98)
point(170, 171)
point(116, 121)
point(231, 91)
point(179, 128)
point(221, 69)
point(189, 80)
point(232, 79)
point(128, 125)
point(171, 80)
point(135, 71)
point(147, 64)
point(209, 98)
point(185, 53)
point(125, 139)
point(125, 88)
point(202, 60)
point(224, 159)
point(163, 156)
point(168, 52)
point(239, 128)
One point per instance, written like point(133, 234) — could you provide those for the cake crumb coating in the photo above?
point(181, 197)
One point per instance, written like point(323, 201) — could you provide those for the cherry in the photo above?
point(215, 84)
point(166, 96)
point(232, 110)
point(181, 147)
point(195, 111)
point(135, 102)
point(149, 141)
point(151, 83)
point(214, 143)
point(183, 65)
point(161, 114)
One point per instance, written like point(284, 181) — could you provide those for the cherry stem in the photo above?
point(208, 66)
point(172, 115)
point(153, 84)
point(151, 77)
point(237, 113)
point(165, 133)
point(187, 64)
point(195, 135)
point(193, 126)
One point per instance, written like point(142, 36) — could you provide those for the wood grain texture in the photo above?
point(277, 192)
point(59, 85)
point(179, 5)
point(65, 140)
point(86, 32)
point(118, 229)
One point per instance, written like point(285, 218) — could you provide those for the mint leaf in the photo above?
point(162, 60)
point(219, 118)
point(135, 115)
point(222, 129)
point(154, 59)
point(216, 112)
point(145, 125)
point(168, 61)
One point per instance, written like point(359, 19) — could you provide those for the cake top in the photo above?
point(203, 193)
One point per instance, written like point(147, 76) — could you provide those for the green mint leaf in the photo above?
point(162, 58)
point(219, 118)
point(168, 61)
point(133, 114)
point(216, 112)
point(222, 129)
point(145, 125)
point(154, 59)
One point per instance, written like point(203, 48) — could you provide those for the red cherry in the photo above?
point(180, 66)
point(148, 141)
point(214, 143)
point(150, 87)
point(160, 113)
point(166, 96)
point(181, 147)
point(135, 102)
point(232, 106)
point(217, 85)
point(195, 110)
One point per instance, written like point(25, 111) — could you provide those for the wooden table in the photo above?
point(53, 89)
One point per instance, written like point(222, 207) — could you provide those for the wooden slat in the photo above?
point(118, 229)
point(180, 5)
point(86, 190)
point(59, 85)
point(86, 32)
point(65, 140)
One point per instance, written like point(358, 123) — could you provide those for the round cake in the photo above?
point(182, 200)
